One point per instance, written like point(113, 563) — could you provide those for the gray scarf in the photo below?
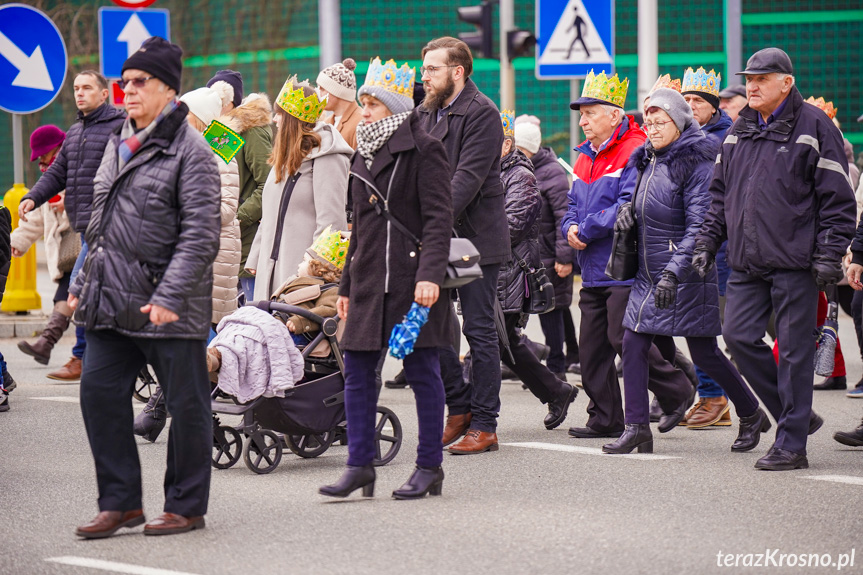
point(371, 137)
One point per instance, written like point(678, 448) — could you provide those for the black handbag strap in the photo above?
point(283, 209)
point(379, 204)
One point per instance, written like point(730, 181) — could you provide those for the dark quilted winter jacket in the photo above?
point(669, 203)
point(75, 166)
point(523, 202)
point(159, 241)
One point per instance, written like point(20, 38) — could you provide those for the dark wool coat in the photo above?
point(383, 265)
point(160, 240)
point(781, 196)
point(472, 135)
point(523, 203)
point(553, 247)
point(76, 164)
point(669, 204)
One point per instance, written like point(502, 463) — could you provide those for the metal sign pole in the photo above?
point(648, 47)
point(330, 32)
point(18, 149)
point(507, 72)
point(733, 41)
point(574, 117)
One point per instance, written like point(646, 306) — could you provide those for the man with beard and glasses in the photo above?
point(468, 123)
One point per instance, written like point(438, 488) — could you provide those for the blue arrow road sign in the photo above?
point(32, 59)
point(122, 31)
point(574, 37)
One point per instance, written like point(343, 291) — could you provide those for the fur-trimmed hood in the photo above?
point(690, 149)
point(255, 111)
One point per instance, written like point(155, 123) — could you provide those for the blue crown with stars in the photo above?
point(701, 81)
point(398, 80)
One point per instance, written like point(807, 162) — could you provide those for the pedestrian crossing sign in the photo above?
point(224, 141)
point(573, 38)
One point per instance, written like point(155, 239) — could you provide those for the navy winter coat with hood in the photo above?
point(717, 126)
point(669, 204)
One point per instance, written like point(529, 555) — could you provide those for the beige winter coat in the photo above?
point(59, 236)
point(226, 268)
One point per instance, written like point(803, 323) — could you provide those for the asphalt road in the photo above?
point(544, 503)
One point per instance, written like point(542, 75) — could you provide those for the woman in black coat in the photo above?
point(399, 166)
point(668, 299)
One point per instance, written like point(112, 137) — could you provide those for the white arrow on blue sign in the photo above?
point(32, 59)
point(122, 31)
point(574, 37)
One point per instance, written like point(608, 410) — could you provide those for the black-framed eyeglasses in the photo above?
point(654, 125)
point(432, 70)
point(137, 82)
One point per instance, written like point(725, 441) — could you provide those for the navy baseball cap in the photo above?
point(732, 91)
point(768, 61)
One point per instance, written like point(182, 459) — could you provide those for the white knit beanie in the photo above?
point(204, 103)
point(340, 80)
point(528, 136)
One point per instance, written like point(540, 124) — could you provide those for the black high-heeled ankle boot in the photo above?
point(352, 479)
point(635, 435)
point(423, 480)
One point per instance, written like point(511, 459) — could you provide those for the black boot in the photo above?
point(150, 422)
point(352, 479)
point(669, 421)
point(635, 435)
point(40, 350)
point(655, 411)
point(839, 382)
point(424, 480)
point(559, 406)
point(398, 382)
point(852, 438)
point(751, 428)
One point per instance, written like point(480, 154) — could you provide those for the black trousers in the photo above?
point(570, 337)
point(601, 340)
point(538, 378)
point(553, 327)
point(786, 389)
point(111, 365)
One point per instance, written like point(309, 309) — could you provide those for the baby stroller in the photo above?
point(308, 419)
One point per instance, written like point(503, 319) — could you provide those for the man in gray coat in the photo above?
point(144, 297)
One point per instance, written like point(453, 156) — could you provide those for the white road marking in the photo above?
point(113, 566)
point(849, 479)
point(587, 450)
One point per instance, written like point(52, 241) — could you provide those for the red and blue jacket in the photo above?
point(601, 183)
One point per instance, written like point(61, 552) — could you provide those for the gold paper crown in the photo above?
point(701, 81)
point(826, 107)
point(666, 82)
point(398, 80)
point(507, 119)
point(610, 90)
point(294, 102)
point(331, 247)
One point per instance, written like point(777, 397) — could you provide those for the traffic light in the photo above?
point(518, 43)
point(481, 41)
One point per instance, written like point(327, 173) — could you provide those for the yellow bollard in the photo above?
point(21, 294)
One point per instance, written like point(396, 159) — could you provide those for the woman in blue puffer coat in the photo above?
point(675, 167)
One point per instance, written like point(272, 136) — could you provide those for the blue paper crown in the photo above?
point(398, 80)
point(701, 81)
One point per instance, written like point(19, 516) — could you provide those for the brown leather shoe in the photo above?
point(456, 426)
point(475, 441)
point(171, 523)
point(106, 523)
point(698, 405)
point(711, 411)
point(69, 372)
point(725, 420)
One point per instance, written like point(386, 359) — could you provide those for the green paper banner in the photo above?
point(224, 141)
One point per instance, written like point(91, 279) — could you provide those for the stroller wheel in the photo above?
point(388, 436)
point(144, 385)
point(263, 451)
point(227, 446)
point(311, 445)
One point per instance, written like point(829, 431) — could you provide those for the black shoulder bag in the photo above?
point(623, 262)
point(539, 298)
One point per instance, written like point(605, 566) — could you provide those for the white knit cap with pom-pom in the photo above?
point(225, 92)
point(340, 80)
point(204, 103)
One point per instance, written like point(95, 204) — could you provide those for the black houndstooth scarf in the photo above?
point(370, 137)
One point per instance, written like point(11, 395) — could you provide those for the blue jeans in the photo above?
point(80, 342)
point(706, 386)
point(248, 285)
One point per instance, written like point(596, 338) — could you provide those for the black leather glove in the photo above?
point(826, 273)
point(666, 290)
point(703, 259)
point(625, 218)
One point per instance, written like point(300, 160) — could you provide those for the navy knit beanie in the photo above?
point(160, 58)
point(235, 79)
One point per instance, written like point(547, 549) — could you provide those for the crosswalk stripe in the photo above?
point(113, 566)
point(849, 479)
point(587, 450)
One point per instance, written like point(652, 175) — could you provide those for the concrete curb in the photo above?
point(23, 326)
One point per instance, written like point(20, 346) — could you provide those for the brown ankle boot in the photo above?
point(69, 372)
point(456, 426)
point(41, 349)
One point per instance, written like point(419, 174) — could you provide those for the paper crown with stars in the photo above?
point(387, 76)
point(331, 247)
point(507, 120)
point(293, 100)
point(826, 107)
point(701, 81)
point(665, 81)
point(601, 87)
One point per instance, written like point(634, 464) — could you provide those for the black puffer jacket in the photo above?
point(159, 241)
point(75, 166)
point(523, 203)
point(553, 247)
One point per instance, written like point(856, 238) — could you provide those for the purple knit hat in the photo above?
point(44, 139)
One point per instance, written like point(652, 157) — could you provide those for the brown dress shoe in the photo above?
point(171, 523)
point(456, 426)
point(725, 420)
point(475, 441)
point(69, 372)
point(711, 411)
point(108, 522)
point(692, 411)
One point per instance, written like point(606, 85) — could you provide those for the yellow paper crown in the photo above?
point(701, 81)
point(294, 102)
point(507, 119)
point(826, 107)
point(398, 80)
point(610, 90)
point(665, 81)
point(331, 247)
